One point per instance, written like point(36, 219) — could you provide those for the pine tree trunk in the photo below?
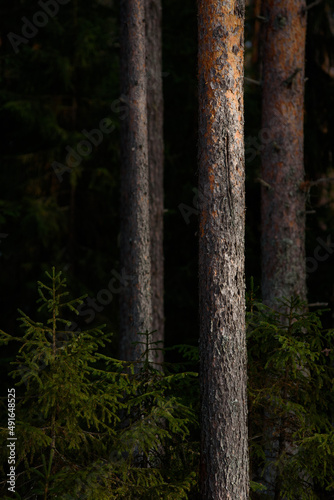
point(283, 201)
point(224, 439)
point(156, 161)
point(136, 300)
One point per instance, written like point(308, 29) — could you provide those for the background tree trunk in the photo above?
point(224, 440)
point(156, 162)
point(136, 300)
point(283, 201)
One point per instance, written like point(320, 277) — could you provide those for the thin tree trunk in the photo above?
point(283, 201)
point(223, 372)
point(156, 160)
point(136, 301)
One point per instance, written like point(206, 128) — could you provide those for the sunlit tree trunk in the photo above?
point(224, 440)
point(156, 162)
point(136, 300)
point(283, 201)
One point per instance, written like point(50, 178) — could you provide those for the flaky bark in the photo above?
point(283, 202)
point(156, 161)
point(136, 301)
point(224, 443)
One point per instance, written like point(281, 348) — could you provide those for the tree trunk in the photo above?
point(156, 161)
point(283, 201)
point(224, 440)
point(136, 301)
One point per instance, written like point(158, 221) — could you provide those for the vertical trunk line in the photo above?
point(156, 164)
point(136, 300)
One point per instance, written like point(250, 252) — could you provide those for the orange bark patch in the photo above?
point(203, 223)
point(238, 136)
point(211, 179)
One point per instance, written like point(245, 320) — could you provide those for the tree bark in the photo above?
point(223, 371)
point(136, 300)
point(156, 162)
point(283, 201)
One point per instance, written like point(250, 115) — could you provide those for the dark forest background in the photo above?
point(65, 80)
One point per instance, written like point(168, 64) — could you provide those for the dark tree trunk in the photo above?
point(136, 301)
point(156, 161)
point(224, 440)
point(283, 201)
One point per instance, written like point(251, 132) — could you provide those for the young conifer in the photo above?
point(291, 371)
point(83, 420)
